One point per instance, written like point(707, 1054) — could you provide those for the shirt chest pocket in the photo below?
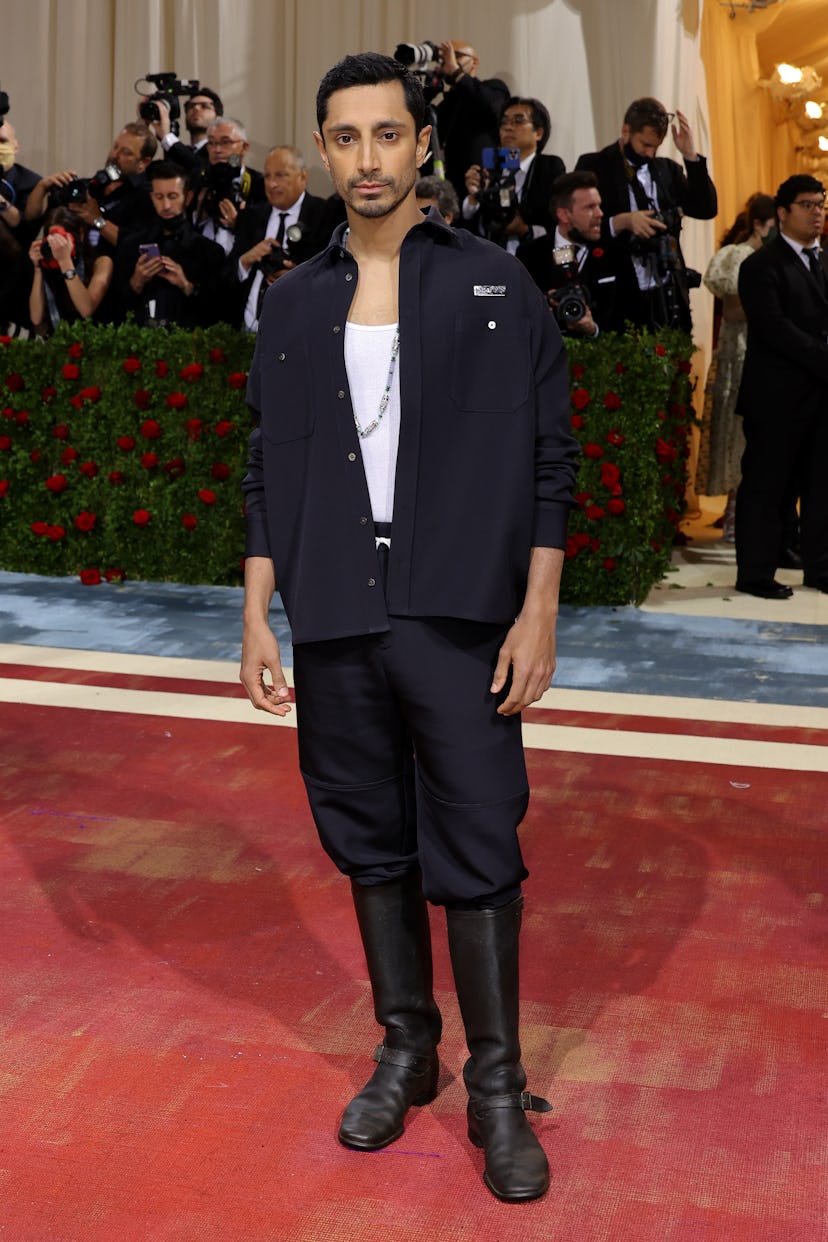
point(490, 365)
point(287, 409)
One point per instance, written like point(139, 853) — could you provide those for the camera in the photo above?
point(104, 177)
point(75, 191)
point(168, 88)
point(218, 180)
point(498, 199)
point(423, 60)
point(570, 300)
point(275, 261)
point(663, 246)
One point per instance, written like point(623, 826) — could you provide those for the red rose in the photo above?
point(660, 350)
point(571, 548)
point(655, 545)
point(89, 469)
point(193, 428)
point(68, 455)
point(582, 539)
point(582, 498)
point(131, 365)
point(217, 355)
point(4, 487)
point(614, 437)
point(69, 371)
point(150, 429)
point(141, 517)
point(223, 428)
point(161, 368)
point(594, 545)
point(115, 575)
point(237, 379)
point(126, 443)
point(48, 394)
point(609, 564)
point(597, 252)
point(595, 513)
point(5, 443)
point(34, 456)
point(149, 461)
point(207, 496)
point(5, 341)
point(581, 398)
point(143, 399)
point(22, 416)
point(76, 401)
point(577, 422)
point(92, 395)
point(15, 382)
point(220, 471)
point(665, 451)
point(75, 350)
point(7, 412)
point(610, 474)
point(85, 521)
point(616, 506)
point(61, 431)
point(189, 521)
point(192, 372)
point(56, 482)
point(175, 468)
point(90, 577)
point(612, 401)
point(578, 370)
point(55, 533)
point(685, 367)
point(39, 528)
point(116, 477)
point(593, 450)
point(177, 400)
point(620, 369)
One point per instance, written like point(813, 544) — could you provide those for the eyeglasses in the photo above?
point(809, 204)
point(223, 144)
point(517, 118)
point(198, 103)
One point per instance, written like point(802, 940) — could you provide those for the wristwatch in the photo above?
point(70, 273)
point(4, 203)
point(98, 223)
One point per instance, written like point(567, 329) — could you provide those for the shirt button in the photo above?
point(352, 457)
point(337, 329)
point(341, 394)
point(363, 521)
point(492, 323)
point(281, 357)
point(349, 276)
point(372, 582)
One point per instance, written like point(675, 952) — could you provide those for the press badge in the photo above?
point(490, 291)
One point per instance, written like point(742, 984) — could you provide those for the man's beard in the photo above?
point(375, 209)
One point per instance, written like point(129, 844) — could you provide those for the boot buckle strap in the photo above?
point(517, 1099)
point(413, 1061)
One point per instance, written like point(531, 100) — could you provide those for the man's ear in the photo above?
point(422, 144)
point(188, 198)
point(625, 133)
point(320, 146)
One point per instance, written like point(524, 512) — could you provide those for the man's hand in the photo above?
point(161, 127)
point(448, 58)
point(683, 137)
point(88, 210)
point(529, 647)
point(260, 654)
point(174, 273)
point(228, 214)
point(256, 253)
point(145, 269)
point(476, 178)
point(639, 223)
point(517, 226)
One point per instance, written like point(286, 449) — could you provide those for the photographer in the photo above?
point(70, 280)
point(167, 273)
point(274, 236)
point(16, 184)
point(570, 265)
point(644, 197)
point(115, 197)
point(200, 110)
point(227, 186)
point(436, 192)
point(511, 207)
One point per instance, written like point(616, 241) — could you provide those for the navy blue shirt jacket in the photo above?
point(486, 459)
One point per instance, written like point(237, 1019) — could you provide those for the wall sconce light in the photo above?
point(790, 83)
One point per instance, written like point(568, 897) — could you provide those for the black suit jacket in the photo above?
point(786, 365)
point(468, 116)
point(201, 260)
point(597, 275)
point(318, 216)
point(534, 199)
point(690, 189)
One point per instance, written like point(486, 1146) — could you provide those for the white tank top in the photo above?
point(367, 360)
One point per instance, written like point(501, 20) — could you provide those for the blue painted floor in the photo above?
point(621, 650)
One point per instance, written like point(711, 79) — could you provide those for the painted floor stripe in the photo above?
point(733, 752)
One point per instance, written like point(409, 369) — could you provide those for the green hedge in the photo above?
point(122, 451)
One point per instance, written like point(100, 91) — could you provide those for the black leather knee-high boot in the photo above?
point(484, 957)
point(393, 923)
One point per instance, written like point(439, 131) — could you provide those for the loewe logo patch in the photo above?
point(490, 291)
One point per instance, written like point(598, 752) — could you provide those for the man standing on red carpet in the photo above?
point(408, 487)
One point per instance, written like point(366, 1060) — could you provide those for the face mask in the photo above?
point(632, 157)
point(770, 235)
point(7, 154)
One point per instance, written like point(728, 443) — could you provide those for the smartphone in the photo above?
point(150, 249)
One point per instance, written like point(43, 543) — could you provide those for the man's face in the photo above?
point(169, 197)
point(517, 129)
point(284, 181)
point(224, 142)
point(585, 214)
point(370, 149)
point(199, 111)
point(645, 142)
point(9, 146)
point(126, 154)
point(803, 222)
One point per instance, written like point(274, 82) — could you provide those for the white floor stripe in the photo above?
point(733, 752)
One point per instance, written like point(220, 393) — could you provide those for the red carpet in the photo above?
point(185, 1010)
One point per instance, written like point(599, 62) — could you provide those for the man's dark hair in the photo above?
point(800, 183)
point(647, 112)
point(564, 187)
point(149, 142)
point(540, 115)
point(165, 170)
point(370, 69)
point(443, 191)
point(215, 99)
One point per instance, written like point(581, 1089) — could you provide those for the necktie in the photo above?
point(263, 287)
point(815, 266)
point(280, 236)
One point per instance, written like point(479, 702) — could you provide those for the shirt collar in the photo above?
point(801, 250)
point(433, 225)
point(291, 213)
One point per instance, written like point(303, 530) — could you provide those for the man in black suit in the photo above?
point(468, 112)
point(274, 236)
point(576, 203)
point(200, 110)
point(784, 394)
point(525, 127)
point(638, 191)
